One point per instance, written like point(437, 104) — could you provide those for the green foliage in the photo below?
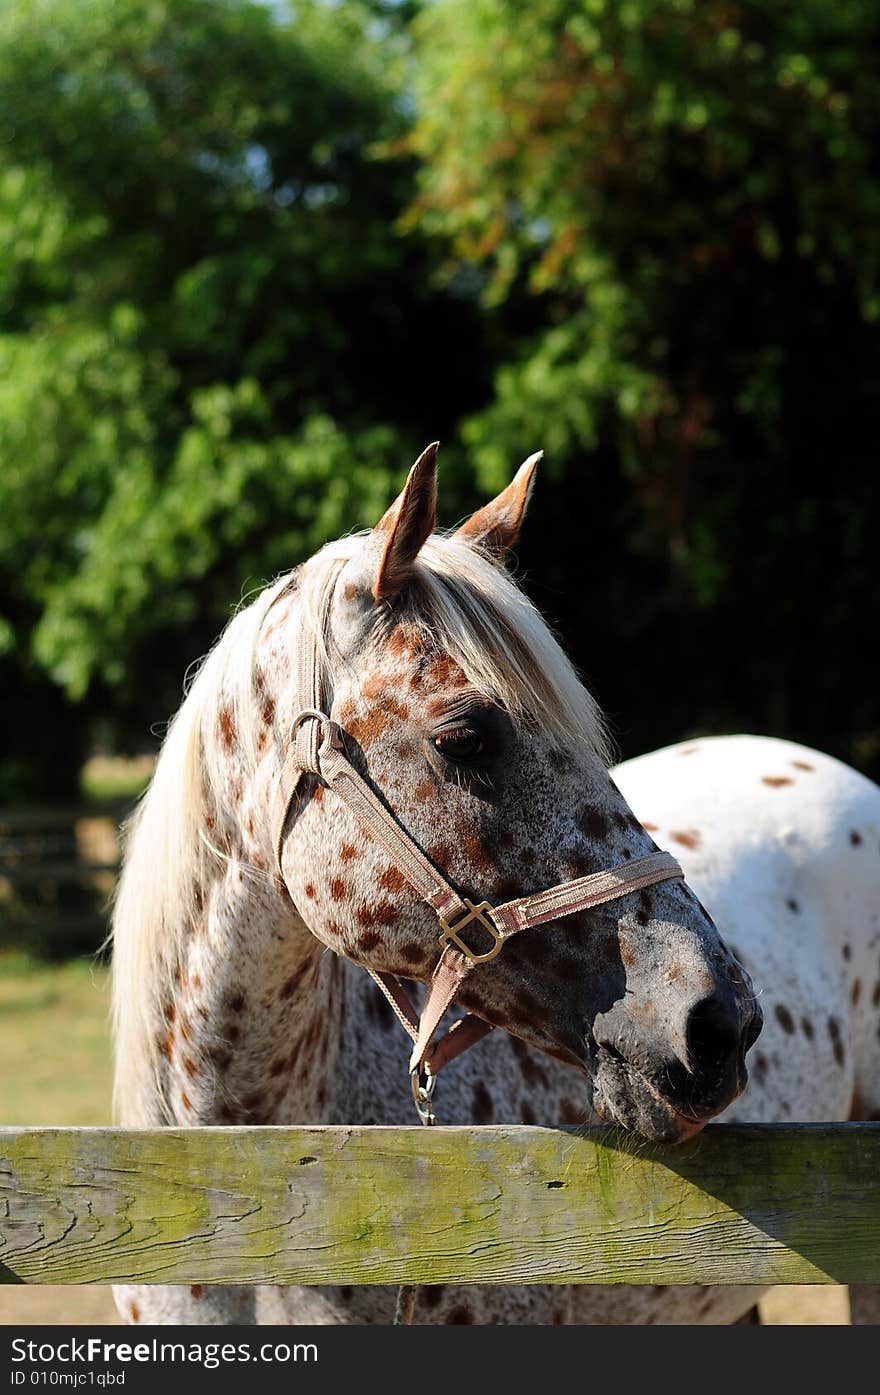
point(207, 321)
point(688, 189)
point(239, 291)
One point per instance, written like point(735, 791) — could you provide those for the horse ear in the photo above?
point(496, 526)
point(407, 525)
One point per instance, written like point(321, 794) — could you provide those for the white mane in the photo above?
point(473, 609)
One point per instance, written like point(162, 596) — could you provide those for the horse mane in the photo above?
point(168, 858)
point(464, 600)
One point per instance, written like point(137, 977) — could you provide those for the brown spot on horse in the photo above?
point(533, 1073)
point(440, 854)
point(460, 1315)
point(593, 823)
point(219, 1057)
point(776, 781)
point(688, 837)
point(482, 1109)
point(629, 955)
point(405, 639)
point(395, 708)
point(367, 730)
point(785, 1019)
point(226, 727)
point(836, 1042)
point(392, 880)
point(443, 671)
point(290, 985)
point(374, 685)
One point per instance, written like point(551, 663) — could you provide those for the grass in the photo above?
point(54, 1041)
point(116, 777)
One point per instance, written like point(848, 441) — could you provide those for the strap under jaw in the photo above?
point(318, 748)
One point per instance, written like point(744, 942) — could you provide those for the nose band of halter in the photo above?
point(470, 934)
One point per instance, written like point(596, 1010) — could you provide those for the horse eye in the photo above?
point(461, 743)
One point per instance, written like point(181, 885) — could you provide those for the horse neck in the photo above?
point(249, 1017)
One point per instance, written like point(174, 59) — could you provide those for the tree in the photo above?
point(216, 349)
point(689, 190)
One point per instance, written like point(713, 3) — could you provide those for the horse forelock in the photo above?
point(473, 609)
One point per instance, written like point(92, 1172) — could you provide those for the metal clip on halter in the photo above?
point(423, 1086)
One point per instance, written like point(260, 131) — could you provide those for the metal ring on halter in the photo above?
point(307, 714)
point(423, 1093)
point(331, 731)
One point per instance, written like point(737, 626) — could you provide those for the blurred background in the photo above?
point(257, 253)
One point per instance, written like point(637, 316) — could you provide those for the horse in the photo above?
point(251, 901)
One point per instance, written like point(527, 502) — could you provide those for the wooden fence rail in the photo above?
point(762, 1204)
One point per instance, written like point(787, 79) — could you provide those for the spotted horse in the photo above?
point(241, 934)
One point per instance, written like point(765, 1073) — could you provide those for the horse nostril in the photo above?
point(713, 1032)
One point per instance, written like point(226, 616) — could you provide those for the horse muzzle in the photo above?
point(666, 1085)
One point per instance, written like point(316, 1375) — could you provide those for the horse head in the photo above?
point(457, 707)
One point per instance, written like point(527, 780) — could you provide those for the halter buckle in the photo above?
point(451, 933)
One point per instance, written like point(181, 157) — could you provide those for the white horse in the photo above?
point(462, 716)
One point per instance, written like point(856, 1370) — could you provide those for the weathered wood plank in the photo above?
point(760, 1204)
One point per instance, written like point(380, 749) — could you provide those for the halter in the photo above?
point(317, 747)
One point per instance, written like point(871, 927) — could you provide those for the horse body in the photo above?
point(782, 843)
point(239, 990)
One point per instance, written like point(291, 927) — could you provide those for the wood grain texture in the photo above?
point(763, 1204)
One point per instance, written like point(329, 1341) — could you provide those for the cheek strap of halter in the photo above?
point(322, 753)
